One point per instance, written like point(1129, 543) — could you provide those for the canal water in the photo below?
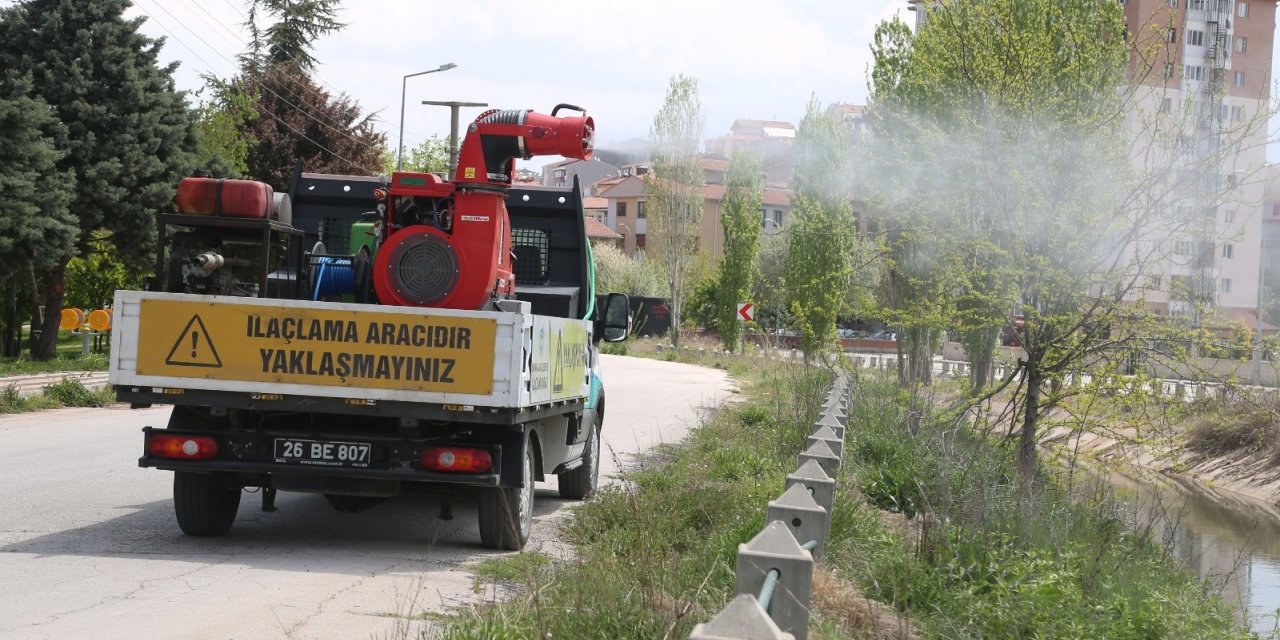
point(1225, 538)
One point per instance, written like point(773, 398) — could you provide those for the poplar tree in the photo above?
point(674, 190)
point(822, 234)
point(129, 133)
point(741, 221)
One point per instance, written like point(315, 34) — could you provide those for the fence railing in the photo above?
point(774, 571)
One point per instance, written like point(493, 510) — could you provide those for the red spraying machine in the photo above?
point(447, 244)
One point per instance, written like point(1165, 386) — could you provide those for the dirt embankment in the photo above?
point(1229, 451)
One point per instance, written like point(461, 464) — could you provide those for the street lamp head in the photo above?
point(404, 84)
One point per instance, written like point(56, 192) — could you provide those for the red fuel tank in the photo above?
point(221, 197)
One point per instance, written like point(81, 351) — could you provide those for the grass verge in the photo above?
point(656, 554)
point(69, 357)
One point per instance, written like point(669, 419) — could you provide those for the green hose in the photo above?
point(591, 283)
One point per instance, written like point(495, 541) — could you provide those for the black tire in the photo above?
point(352, 504)
point(506, 513)
point(580, 483)
point(204, 504)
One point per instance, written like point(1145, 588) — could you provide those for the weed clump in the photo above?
point(1248, 425)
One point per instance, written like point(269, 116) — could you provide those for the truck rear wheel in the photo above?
point(581, 482)
point(506, 514)
point(205, 505)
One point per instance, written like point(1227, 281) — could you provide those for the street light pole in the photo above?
point(404, 84)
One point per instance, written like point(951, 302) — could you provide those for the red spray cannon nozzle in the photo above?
point(497, 137)
point(569, 137)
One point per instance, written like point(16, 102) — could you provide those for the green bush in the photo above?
point(618, 273)
point(70, 393)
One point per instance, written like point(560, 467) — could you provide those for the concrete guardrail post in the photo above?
point(775, 550)
point(837, 424)
point(742, 619)
point(834, 403)
point(774, 578)
point(828, 435)
point(808, 521)
point(822, 454)
point(819, 485)
point(835, 414)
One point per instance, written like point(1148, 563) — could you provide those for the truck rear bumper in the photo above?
point(259, 454)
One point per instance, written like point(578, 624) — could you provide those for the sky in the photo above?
point(753, 59)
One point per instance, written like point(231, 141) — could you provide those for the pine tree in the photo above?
point(37, 231)
point(295, 119)
point(130, 135)
point(298, 23)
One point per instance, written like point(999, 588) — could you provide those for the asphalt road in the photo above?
point(89, 546)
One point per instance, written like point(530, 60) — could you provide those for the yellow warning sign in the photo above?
point(193, 348)
point(569, 361)
point(373, 348)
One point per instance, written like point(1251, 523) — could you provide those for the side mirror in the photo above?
point(617, 318)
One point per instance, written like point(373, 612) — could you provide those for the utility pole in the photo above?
point(454, 106)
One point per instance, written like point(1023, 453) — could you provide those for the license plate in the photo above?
point(323, 453)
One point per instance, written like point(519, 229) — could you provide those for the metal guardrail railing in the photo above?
point(774, 577)
point(1171, 388)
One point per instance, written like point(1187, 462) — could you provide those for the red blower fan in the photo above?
point(449, 243)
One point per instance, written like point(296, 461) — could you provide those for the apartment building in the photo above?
point(627, 210)
point(1211, 60)
point(562, 173)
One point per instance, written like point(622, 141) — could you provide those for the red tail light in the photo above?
point(176, 447)
point(456, 460)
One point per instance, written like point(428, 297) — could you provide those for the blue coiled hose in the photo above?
point(335, 277)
